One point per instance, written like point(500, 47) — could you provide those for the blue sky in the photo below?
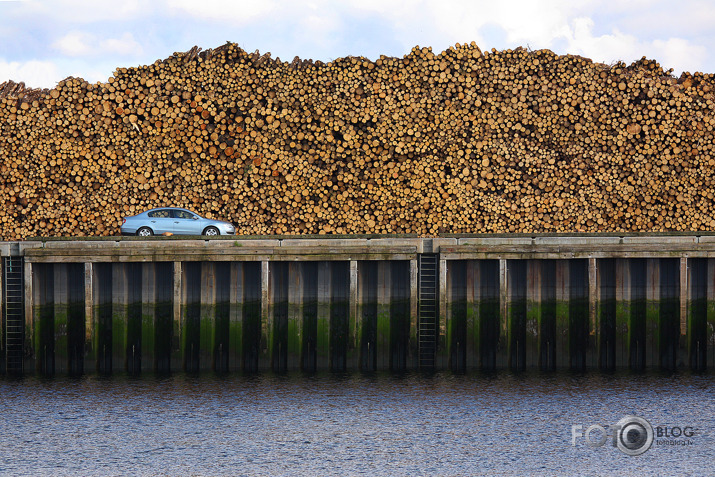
point(42, 42)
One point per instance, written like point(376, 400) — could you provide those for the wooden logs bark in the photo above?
point(463, 141)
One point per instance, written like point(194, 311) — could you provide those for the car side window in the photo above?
point(159, 214)
point(182, 214)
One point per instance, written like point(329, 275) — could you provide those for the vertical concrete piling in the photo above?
point(119, 317)
point(564, 329)
point(264, 360)
point(399, 315)
point(516, 313)
point(636, 344)
point(456, 314)
point(383, 332)
point(191, 316)
point(29, 313)
point(367, 314)
point(442, 352)
point(295, 323)
point(652, 325)
point(697, 313)
point(414, 316)
point(90, 356)
point(60, 317)
point(237, 308)
point(332, 315)
point(710, 328)
point(623, 311)
point(43, 279)
point(251, 315)
point(354, 319)
point(546, 330)
point(214, 316)
point(594, 332)
point(177, 359)
point(148, 324)
point(323, 315)
point(278, 315)
point(606, 273)
point(503, 347)
point(579, 307)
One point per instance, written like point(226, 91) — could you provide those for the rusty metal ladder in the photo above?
point(13, 314)
point(428, 280)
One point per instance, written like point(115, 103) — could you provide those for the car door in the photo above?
point(185, 222)
point(160, 221)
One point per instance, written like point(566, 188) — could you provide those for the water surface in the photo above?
point(349, 424)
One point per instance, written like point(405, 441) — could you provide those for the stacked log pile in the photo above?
point(461, 142)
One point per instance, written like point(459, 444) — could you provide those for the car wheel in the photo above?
point(145, 232)
point(211, 231)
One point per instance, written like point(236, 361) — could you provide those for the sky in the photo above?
point(43, 42)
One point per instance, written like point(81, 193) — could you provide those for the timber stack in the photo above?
point(462, 142)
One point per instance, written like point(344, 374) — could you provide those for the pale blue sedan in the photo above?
point(175, 221)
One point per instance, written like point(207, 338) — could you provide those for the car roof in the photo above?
point(171, 208)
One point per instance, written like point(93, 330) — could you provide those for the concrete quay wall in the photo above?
point(251, 304)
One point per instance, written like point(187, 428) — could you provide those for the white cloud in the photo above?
point(79, 43)
point(677, 53)
point(680, 54)
point(75, 43)
point(82, 11)
point(126, 45)
point(33, 73)
point(238, 12)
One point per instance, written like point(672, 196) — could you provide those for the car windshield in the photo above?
point(163, 213)
point(183, 214)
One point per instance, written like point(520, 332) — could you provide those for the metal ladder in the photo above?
point(13, 302)
point(427, 308)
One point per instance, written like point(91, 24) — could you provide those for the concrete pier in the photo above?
point(226, 305)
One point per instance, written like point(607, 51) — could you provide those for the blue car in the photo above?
point(175, 221)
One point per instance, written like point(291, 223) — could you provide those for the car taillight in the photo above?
point(124, 221)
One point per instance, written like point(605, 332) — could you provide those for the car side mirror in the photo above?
point(195, 218)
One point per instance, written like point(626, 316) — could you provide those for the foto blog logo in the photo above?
point(632, 435)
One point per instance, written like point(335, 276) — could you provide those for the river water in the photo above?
point(328, 424)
